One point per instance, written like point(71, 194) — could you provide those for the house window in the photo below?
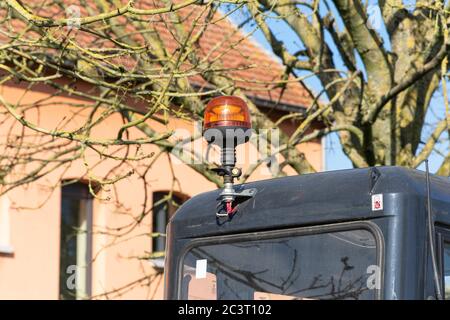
point(164, 206)
point(76, 240)
point(5, 245)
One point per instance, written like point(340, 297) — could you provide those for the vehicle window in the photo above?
point(447, 269)
point(203, 288)
point(337, 265)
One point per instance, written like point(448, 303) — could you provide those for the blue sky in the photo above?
point(335, 158)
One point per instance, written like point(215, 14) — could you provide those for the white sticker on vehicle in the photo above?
point(200, 268)
point(377, 202)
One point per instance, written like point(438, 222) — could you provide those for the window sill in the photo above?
point(6, 250)
point(157, 263)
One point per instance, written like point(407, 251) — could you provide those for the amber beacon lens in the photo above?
point(227, 111)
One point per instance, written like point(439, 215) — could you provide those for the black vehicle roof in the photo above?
point(317, 198)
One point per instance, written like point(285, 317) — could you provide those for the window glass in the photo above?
point(76, 254)
point(338, 265)
point(447, 269)
point(203, 288)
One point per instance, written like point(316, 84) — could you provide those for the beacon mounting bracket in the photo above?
point(231, 195)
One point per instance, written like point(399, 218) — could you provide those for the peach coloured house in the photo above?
point(111, 257)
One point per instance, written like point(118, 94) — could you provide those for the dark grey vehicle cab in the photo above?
point(350, 234)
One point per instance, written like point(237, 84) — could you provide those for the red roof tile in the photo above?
point(249, 66)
